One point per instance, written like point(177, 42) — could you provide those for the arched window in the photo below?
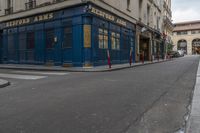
point(182, 45)
point(196, 46)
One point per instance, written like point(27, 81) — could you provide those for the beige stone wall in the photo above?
point(116, 6)
point(189, 38)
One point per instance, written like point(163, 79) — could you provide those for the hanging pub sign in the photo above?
point(106, 15)
point(23, 21)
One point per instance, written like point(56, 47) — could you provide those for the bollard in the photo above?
point(143, 57)
point(130, 60)
point(109, 60)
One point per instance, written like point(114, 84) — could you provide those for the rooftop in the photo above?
point(189, 25)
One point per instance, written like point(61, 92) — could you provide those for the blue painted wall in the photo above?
point(77, 55)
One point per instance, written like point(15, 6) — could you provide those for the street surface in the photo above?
point(146, 99)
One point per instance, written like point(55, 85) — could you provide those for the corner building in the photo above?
point(65, 32)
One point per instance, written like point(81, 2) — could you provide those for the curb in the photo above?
point(4, 83)
point(85, 70)
point(192, 125)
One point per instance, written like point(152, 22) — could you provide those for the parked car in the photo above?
point(174, 54)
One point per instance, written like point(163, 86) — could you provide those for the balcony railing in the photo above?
point(9, 10)
point(30, 5)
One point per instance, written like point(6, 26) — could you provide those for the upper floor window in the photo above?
point(128, 4)
point(148, 14)
point(9, 8)
point(182, 33)
point(30, 4)
point(195, 31)
point(140, 9)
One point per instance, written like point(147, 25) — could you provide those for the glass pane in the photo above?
point(118, 35)
point(105, 42)
point(100, 31)
point(105, 32)
point(101, 41)
point(118, 44)
point(113, 43)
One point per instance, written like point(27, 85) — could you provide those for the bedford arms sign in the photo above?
point(106, 15)
point(23, 21)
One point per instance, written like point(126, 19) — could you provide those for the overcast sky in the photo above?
point(185, 10)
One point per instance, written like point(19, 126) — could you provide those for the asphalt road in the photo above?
point(146, 99)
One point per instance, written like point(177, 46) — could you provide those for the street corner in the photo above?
point(4, 83)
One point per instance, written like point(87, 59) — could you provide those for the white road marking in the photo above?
point(17, 76)
point(42, 73)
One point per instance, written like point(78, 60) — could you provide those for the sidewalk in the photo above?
point(193, 125)
point(104, 68)
point(3, 83)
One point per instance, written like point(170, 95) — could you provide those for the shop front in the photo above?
point(158, 47)
point(78, 36)
point(144, 41)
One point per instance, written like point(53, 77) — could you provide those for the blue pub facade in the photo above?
point(80, 35)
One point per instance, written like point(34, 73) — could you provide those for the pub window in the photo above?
point(67, 42)
point(103, 38)
point(128, 5)
point(30, 40)
point(115, 41)
point(49, 38)
point(182, 33)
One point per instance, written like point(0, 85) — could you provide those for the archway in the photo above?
point(196, 46)
point(182, 45)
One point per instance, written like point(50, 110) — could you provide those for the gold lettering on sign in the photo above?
point(102, 14)
point(43, 17)
point(23, 21)
point(122, 22)
point(18, 22)
point(108, 16)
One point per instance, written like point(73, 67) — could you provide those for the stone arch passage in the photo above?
point(182, 45)
point(196, 46)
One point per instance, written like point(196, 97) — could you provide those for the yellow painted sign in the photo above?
point(87, 36)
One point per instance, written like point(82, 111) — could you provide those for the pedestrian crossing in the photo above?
point(42, 73)
point(30, 75)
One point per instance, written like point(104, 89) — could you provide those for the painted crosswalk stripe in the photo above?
point(17, 76)
point(42, 73)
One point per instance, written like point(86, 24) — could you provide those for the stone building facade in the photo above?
point(82, 32)
point(186, 36)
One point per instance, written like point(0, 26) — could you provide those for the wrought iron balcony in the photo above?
point(30, 5)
